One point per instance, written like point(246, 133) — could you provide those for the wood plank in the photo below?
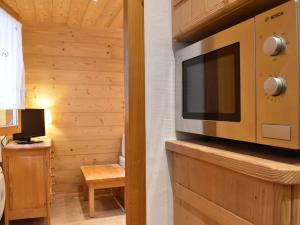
point(208, 208)
point(94, 10)
point(90, 133)
point(186, 214)
point(73, 176)
point(118, 22)
point(43, 9)
point(61, 11)
point(74, 33)
point(77, 120)
point(111, 10)
point(77, 11)
point(135, 192)
point(68, 76)
point(74, 49)
point(27, 10)
point(60, 38)
point(34, 61)
point(282, 204)
point(295, 205)
point(82, 147)
point(76, 91)
point(75, 161)
point(84, 105)
point(248, 159)
point(239, 189)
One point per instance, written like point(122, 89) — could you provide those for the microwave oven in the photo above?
point(243, 83)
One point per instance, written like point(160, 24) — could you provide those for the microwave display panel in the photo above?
point(211, 85)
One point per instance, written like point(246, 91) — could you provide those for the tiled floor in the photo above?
point(75, 212)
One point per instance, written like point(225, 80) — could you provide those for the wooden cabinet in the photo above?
point(234, 185)
point(194, 19)
point(27, 174)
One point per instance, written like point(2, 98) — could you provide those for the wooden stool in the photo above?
point(101, 177)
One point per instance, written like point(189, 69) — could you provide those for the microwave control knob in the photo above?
point(274, 86)
point(274, 45)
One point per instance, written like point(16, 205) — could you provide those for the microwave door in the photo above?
point(215, 92)
point(211, 85)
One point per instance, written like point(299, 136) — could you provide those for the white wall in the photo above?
point(160, 109)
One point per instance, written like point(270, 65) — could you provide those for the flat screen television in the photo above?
point(33, 125)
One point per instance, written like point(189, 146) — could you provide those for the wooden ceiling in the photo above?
point(84, 13)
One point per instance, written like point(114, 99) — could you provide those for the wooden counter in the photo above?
point(228, 184)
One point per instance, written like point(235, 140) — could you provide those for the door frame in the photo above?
point(135, 132)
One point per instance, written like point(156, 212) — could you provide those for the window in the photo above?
point(12, 77)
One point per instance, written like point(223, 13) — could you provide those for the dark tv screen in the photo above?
point(33, 124)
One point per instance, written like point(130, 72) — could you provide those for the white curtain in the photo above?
point(12, 74)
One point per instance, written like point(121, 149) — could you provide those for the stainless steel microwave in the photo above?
point(243, 83)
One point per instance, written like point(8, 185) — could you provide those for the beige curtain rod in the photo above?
point(10, 10)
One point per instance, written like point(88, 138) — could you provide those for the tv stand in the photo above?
point(28, 173)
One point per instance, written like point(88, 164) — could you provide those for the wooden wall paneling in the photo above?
point(88, 119)
point(26, 10)
point(82, 91)
point(84, 88)
point(61, 11)
point(82, 77)
point(69, 162)
point(77, 11)
point(109, 105)
point(36, 61)
point(81, 147)
point(89, 133)
point(43, 9)
point(95, 9)
point(118, 21)
point(98, 50)
point(111, 10)
point(81, 13)
point(135, 191)
point(62, 33)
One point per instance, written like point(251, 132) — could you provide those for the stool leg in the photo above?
point(92, 201)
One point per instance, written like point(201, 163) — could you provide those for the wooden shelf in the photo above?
point(234, 183)
point(265, 163)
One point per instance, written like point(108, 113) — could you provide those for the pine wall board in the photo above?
point(78, 74)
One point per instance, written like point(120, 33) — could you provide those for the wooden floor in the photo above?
point(75, 212)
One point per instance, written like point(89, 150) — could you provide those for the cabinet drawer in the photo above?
point(212, 5)
point(247, 198)
point(194, 19)
point(206, 211)
point(181, 16)
point(176, 2)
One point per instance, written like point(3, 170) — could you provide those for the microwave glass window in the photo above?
point(211, 85)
